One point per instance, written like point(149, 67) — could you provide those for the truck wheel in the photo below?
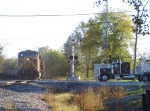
point(104, 77)
point(145, 78)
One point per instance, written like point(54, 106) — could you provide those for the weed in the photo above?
point(59, 102)
point(106, 98)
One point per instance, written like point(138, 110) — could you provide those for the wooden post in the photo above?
point(144, 102)
point(147, 100)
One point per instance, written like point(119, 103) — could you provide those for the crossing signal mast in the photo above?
point(73, 59)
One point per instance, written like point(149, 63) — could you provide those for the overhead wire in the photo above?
point(31, 39)
point(55, 15)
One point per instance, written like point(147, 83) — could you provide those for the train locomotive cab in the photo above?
point(31, 65)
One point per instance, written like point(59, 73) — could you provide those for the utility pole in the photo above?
point(136, 36)
point(105, 34)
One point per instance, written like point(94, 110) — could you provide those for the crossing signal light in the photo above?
point(71, 57)
point(76, 57)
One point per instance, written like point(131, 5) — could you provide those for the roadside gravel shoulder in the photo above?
point(23, 98)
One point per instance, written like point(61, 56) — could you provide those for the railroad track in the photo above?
point(14, 82)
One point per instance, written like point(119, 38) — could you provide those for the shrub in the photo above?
point(104, 98)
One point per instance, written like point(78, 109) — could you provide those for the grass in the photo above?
point(60, 102)
point(135, 103)
point(105, 98)
point(136, 90)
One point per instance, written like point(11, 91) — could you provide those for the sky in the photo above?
point(18, 33)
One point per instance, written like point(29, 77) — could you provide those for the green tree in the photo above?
point(11, 63)
point(1, 58)
point(92, 49)
point(93, 46)
point(56, 63)
point(119, 35)
point(89, 43)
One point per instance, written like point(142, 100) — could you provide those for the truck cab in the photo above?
point(117, 70)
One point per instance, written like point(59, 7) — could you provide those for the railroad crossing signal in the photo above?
point(71, 57)
point(76, 57)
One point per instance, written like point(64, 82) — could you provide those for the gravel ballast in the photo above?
point(22, 98)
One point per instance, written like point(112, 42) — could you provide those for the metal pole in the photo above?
point(72, 62)
point(107, 48)
point(136, 36)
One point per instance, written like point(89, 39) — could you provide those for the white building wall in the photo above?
point(97, 68)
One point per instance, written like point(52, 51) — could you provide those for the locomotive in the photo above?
point(30, 65)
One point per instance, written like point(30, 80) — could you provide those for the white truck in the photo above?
point(121, 70)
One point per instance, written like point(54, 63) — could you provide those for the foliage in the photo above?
point(104, 98)
point(56, 63)
point(139, 19)
point(100, 99)
point(89, 43)
point(11, 63)
point(1, 63)
point(139, 90)
point(1, 58)
point(92, 49)
point(67, 50)
point(119, 35)
point(59, 102)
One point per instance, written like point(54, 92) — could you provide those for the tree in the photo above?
point(1, 58)
point(119, 34)
point(92, 48)
point(56, 63)
point(89, 43)
point(140, 24)
point(11, 63)
point(139, 21)
point(80, 47)
point(1, 63)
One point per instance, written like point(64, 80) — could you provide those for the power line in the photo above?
point(44, 15)
point(57, 15)
point(32, 39)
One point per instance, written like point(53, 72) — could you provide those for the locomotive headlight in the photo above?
point(27, 59)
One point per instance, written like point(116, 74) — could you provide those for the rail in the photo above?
point(14, 82)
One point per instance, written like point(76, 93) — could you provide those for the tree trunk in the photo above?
point(87, 67)
point(87, 71)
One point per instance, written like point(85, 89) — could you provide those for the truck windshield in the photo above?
point(111, 65)
point(115, 65)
